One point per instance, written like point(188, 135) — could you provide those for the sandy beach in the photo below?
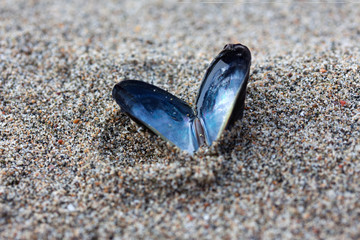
point(73, 166)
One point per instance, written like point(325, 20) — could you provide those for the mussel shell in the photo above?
point(158, 110)
point(220, 102)
point(221, 97)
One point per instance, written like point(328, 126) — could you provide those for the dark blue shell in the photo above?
point(160, 111)
point(220, 102)
point(221, 97)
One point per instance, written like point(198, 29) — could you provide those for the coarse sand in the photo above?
point(73, 166)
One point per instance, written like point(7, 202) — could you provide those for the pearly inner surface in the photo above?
point(217, 97)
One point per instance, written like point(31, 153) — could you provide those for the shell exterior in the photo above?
point(219, 103)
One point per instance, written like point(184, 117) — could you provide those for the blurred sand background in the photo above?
point(73, 166)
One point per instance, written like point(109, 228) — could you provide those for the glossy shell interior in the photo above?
point(221, 97)
point(220, 102)
point(158, 110)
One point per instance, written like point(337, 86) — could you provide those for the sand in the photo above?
point(73, 166)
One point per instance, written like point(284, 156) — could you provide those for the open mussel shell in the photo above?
point(220, 102)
